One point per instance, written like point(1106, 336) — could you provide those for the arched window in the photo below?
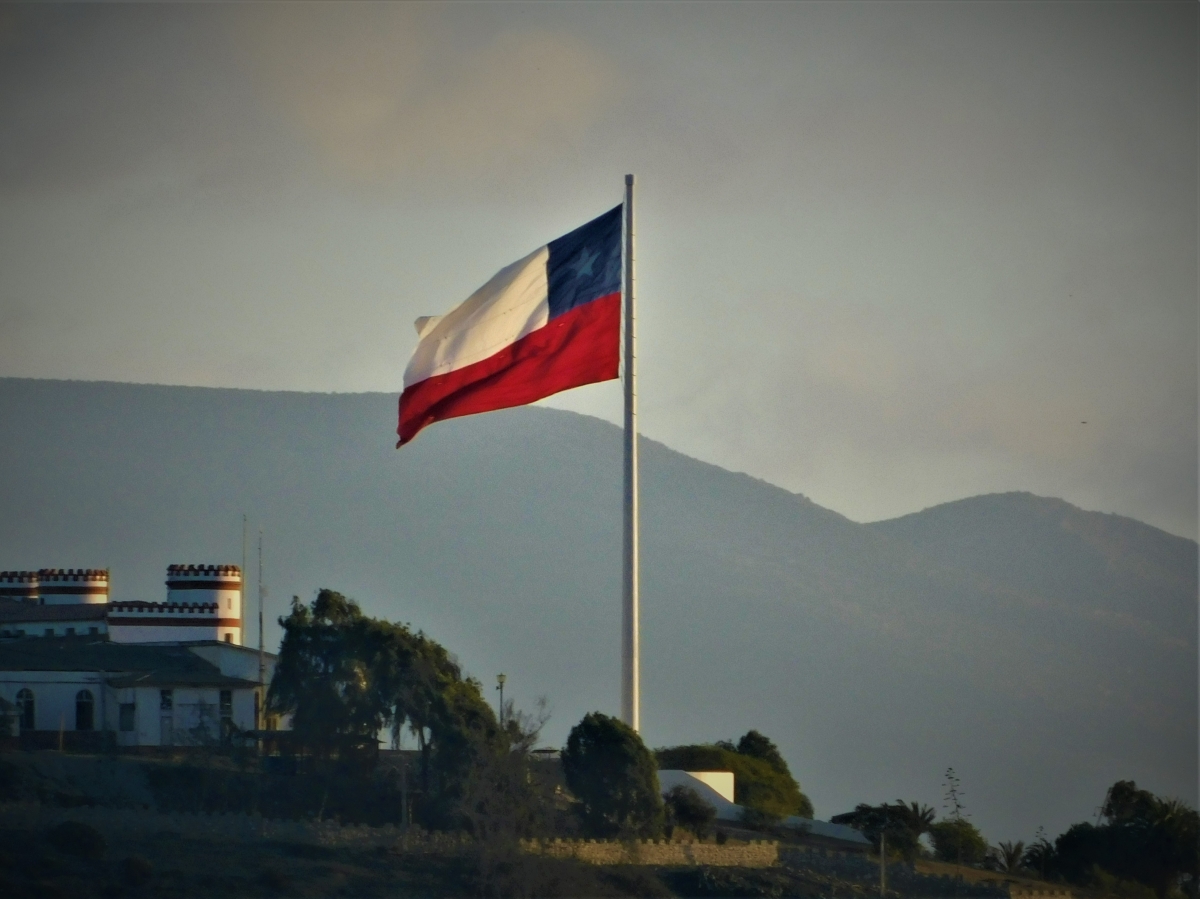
point(84, 705)
point(25, 707)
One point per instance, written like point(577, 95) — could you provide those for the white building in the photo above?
point(71, 690)
point(717, 789)
point(130, 672)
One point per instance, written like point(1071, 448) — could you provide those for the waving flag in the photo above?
point(546, 323)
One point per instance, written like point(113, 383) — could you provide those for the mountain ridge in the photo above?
point(876, 655)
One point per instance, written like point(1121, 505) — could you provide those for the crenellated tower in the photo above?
point(204, 602)
point(19, 586)
point(73, 586)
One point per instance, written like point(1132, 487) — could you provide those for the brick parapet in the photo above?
point(755, 854)
point(138, 607)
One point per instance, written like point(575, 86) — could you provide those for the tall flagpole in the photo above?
point(262, 665)
point(631, 688)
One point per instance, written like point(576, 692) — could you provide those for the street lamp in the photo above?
point(500, 679)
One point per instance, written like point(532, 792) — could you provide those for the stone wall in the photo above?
point(755, 854)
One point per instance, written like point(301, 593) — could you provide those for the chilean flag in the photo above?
point(546, 323)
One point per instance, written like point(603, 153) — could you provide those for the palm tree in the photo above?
point(1040, 856)
point(1009, 855)
point(919, 818)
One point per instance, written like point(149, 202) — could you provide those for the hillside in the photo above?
point(1042, 651)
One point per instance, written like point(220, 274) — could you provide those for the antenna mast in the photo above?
point(242, 599)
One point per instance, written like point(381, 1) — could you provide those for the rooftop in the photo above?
point(132, 664)
point(13, 612)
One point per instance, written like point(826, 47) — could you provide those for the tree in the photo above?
point(685, 807)
point(611, 772)
point(959, 841)
point(321, 678)
point(1008, 856)
point(1039, 857)
point(955, 839)
point(343, 677)
point(901, 824)
point(759, 785)
point(503, 799)
point(757, 746)
point(1143, 838)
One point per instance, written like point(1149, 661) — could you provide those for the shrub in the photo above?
point(685, 808)
point(758, 783)
point(958, 840)
point(78, 839)
point(612, 773)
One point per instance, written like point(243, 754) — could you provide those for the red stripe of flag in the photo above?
point(579, 347)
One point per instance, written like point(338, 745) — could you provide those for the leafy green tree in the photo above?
point(344, 676)
point(685, 807)
point(611, 772)
point(899, 823)
point(321, 677)
point(958, 840)
point(1143, 838)
point(759, 785)
point(757, 746)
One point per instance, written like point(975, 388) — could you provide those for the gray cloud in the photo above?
point(384, 91)
point(891, 254)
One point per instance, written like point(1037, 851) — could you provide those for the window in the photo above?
point(70, 632)
point(128, 716)
point(85, 704)
point(229, 638)
point(93, 630)
point(166, 718)
point(226, 715)
point(49, 632)
point(25, 707)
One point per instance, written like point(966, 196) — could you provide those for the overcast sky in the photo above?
point(890, 254)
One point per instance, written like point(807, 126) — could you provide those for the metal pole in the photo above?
point(262, 666)
point(242, 598)
point(883, 863)
point(630, 643)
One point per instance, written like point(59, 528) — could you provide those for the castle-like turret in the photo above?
point(74, 586)
point(21, 586)
point(204, 602)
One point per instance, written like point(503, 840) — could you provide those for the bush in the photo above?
point(757, 819)
point(685, 808)
point(758, 783)
point(612, 774)
point(78, 839)
point(958, 841)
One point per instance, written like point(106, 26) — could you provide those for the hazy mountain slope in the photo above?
point(1109, 564)
point(875, 655)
